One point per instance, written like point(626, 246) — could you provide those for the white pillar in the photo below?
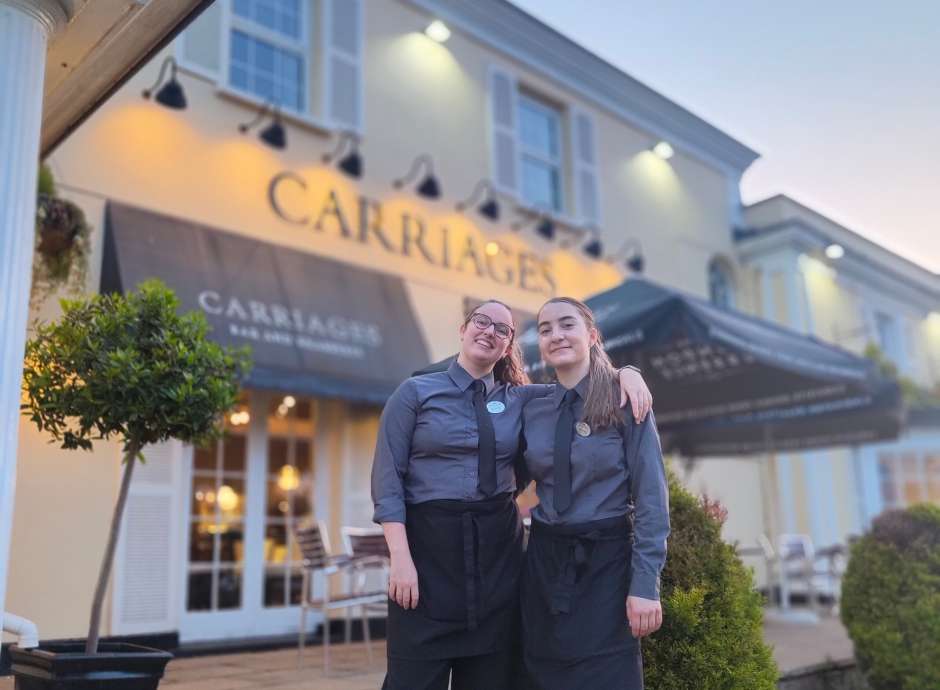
point(25, 28)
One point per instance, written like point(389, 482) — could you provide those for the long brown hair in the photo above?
point(602, 405)
point(509, 368)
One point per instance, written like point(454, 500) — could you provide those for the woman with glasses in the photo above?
point(443, 484)
point(590, 589)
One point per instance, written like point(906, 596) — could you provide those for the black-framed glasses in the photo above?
point(482, 321)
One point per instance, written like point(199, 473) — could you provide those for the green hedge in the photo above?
point(712, 634)
point(891, 600)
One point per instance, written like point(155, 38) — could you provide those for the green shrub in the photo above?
point(891, 600)
point(712, 636)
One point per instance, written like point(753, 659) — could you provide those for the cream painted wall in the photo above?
point(420, 97)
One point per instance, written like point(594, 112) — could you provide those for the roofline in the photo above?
point(80, 119)
point(517, 34)
point(930, 275)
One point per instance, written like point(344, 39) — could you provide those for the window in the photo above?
point(268, 51)
point(540, 153)
point(720, 285)
point(909, 477)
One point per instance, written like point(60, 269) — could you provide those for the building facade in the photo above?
point(817, 277)
point(564, 141)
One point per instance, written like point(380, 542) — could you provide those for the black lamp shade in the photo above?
point(489, 209)
point(351, 164)
point(594, 248)
point(546, 229)
point(430, 188)
point(636, 263)
point(274, 136)
point(171, 95)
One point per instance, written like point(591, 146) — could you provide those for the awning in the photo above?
point(725, 383)
point(315, 326)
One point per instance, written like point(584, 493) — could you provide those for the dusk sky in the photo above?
point(841, 98)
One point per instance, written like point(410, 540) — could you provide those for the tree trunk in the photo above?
point(91, 645)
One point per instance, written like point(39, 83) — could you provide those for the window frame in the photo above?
point(559, 163)
point(302, 46)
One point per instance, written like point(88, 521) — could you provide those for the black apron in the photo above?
point(469, 560)
point(575, 630)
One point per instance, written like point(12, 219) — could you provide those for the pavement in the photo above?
point(797, 642)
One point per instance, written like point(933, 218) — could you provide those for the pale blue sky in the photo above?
point(840, 97)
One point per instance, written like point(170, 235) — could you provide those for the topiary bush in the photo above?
point(712, 633)
point(128, 367)
point(891, 600)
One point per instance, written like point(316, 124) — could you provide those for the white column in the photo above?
point(25, 28)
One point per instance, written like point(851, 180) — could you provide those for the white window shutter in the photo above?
point(503, 131)
point(148, 555)
point(342, 34)
point(199, 46)
point(584, 167)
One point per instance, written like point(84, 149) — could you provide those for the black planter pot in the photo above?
point(65, 666)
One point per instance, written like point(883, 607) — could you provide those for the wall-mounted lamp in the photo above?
point(545, 227)
point(437, 31)
point(489, 208)
point(631, 253)
point(664, 150)
point(594, 247)
point(429, 187)
point(835, 251)
point(351, 163)
point(273, 135)
point(171, 95)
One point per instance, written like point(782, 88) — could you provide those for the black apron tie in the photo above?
point(487, 452)
point(564, 432)
point(471, 567)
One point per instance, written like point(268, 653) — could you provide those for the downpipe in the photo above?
point(24, 629)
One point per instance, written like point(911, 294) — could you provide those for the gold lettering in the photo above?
point(273, 200)
point(372, 222)
point(470, 251)
point(332, 208)
point(418, 240)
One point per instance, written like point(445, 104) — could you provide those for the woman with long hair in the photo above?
point(590, 587)
point(443, 483)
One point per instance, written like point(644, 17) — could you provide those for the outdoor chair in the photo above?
point(361, 543)
point(314, 544)
point(798, 563)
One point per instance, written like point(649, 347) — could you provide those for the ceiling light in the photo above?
point(437, 31)
point(664, 150)
point(835, 251)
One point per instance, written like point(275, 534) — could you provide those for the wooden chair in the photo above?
point(360, 543)
point(314, 544)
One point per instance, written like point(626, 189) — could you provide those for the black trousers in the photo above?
point(493, 671)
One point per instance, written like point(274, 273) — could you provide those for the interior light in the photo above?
point(492, 249)
point(835, 251)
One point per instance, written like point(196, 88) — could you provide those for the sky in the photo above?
point(840, 97)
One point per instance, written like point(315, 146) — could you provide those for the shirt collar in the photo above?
point(463, 380)
point(581, 389)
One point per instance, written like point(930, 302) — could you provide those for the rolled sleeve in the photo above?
point(392, 449)
point(650, 494)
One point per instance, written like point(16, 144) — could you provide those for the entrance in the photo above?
point(247, 492)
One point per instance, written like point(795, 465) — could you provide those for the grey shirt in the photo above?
point(428, 444)
point(614, 471)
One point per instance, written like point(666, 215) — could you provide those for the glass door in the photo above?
point(247, 492)
point(289, 496)
point(215, 569)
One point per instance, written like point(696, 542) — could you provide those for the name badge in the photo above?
point(495, 407)
point(583, 429)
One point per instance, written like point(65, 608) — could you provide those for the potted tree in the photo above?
point(127, 367)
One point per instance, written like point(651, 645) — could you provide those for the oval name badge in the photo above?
point(583, 429)
point(495, 407)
